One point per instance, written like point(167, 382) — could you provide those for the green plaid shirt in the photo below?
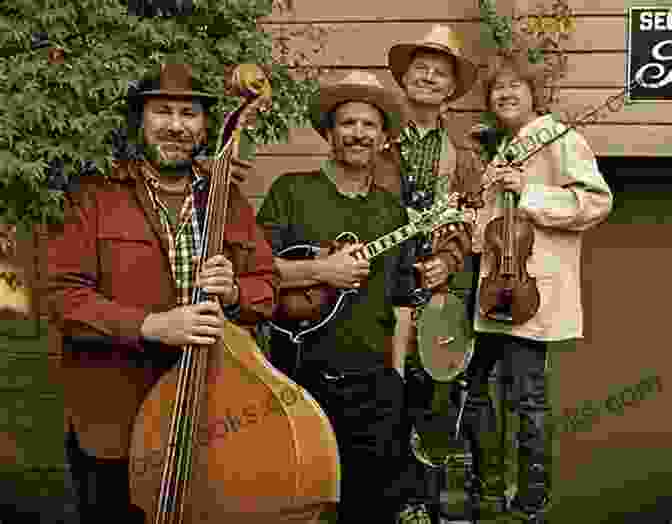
point(421, 150)
point(184, 237)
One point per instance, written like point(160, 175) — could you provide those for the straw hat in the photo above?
point(359, 86)
point(440, 38)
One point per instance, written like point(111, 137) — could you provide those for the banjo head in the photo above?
point(445, 337)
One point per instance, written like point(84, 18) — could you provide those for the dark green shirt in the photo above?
point(308, 208)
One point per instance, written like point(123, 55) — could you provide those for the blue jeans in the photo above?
point(523, 370)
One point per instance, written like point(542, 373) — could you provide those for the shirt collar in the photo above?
point(412, 129)
point(152, 174)
point(328, 169)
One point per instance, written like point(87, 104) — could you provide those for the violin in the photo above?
point(509, 294)
point(224, 436)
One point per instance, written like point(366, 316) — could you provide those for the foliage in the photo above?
point(538, 34)
point(500, 27)
point(66, 67)
point(544, 33)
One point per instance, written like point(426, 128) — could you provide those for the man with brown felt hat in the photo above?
point(121, 273)
point(347, 364)
point(425, 163)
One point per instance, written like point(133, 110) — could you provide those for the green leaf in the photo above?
point(68, 110)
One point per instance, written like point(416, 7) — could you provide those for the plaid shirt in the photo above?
point(184, 237)
point(420, 153)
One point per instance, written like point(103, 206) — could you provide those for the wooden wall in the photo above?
point(361, 32)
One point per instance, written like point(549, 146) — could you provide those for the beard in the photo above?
point(178, 155)
point(177, 152)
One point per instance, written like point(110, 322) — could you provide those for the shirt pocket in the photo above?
point(127, 257)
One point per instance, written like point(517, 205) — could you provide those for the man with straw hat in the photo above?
point(121, 275)
point(432, 72)
point(347, 364)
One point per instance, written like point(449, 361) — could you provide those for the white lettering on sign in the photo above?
point(655, 21)
point(659, 69)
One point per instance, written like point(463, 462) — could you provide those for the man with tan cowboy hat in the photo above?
point(121, 275)
point(347, 363)
point(432, 72)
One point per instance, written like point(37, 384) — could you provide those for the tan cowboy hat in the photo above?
point(173, 80)
point(359, 86)
point(440, 38)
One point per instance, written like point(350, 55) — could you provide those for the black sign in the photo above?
point(650, 53)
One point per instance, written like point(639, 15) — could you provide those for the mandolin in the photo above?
point(302, 311)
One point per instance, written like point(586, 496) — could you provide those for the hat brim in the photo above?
point(387, 101)
point(399, 59)
point(210, 99)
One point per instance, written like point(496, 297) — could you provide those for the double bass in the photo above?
point(224, 436)
point(509, 293)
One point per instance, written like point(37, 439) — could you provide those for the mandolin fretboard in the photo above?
point(386, 242)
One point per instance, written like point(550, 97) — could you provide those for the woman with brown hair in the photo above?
point(561, 192)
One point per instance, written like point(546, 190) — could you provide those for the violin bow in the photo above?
point(589, 117)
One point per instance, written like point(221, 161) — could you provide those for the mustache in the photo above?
point(183, 137)
point(176, 140)
point(426, 85)
point(360, 142)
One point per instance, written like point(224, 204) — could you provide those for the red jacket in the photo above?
point(108, 269)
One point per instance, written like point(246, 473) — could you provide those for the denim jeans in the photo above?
point(523, 370)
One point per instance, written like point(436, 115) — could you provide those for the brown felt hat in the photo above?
point(173, 80)
point(440, 38)
point(359, 86)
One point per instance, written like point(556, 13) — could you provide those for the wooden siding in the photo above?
point(438, 10)
point(360, 33)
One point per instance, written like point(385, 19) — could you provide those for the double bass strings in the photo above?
point(195, 358)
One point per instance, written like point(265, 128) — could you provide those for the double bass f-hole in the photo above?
point(509, 294)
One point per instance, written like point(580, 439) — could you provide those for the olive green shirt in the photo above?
point(308, 208)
